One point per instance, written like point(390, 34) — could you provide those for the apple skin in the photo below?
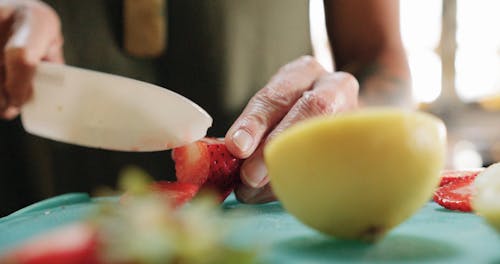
point(357, 175)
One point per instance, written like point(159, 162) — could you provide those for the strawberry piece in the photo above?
point(178, 193)
point(224, 170)
point(456, 195)
point(208, 163)
point(75, 243)
point(448, 176)
point(192, 162)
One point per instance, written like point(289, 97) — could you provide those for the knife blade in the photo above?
point(101, 110)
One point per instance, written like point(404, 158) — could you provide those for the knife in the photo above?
point(100, 110)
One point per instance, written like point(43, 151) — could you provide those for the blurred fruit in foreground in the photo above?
point(486, 197)
point(178, 193)
point(76, 244)
point(357, 175)
point(147, 226)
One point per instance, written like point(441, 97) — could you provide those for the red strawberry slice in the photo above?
point(192, 162)
point(456, 195)
point(75, 243)
point(178, 193)
point(208, 162)
point(224, 169)
point(448, 176)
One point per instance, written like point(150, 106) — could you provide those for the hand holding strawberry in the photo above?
point(300, 90)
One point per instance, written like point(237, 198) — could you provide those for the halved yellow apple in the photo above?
point(357, 175)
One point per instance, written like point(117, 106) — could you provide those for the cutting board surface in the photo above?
point(433, 235)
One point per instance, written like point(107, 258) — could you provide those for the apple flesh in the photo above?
point(486, 199)
point(357, 175)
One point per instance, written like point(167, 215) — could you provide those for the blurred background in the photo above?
point(454, 54)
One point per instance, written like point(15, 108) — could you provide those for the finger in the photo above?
point(6, 112)
point(5, 22)
point(36, 30)
point(55, 51)
point(4, 104)
point(250, 195)
point(253, 171)
point(19, 76)
point(10, 113)
point(270, 104)
point(332, 93)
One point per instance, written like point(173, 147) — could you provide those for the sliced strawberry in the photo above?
point(192, 163)
point(178, 193)
point(76, 244)
point(456, 195)
point(448, 176)
point(211, 165)
point(224, 170)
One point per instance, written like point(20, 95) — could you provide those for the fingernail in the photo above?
point(254, 172)
point(243, 140)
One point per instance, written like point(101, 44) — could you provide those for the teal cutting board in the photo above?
point(433, 235)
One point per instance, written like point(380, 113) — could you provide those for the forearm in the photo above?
point(366, 42)
point(380, 85)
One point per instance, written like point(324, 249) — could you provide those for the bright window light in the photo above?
point(421, 23)
point(319, 37)
point(425, 67)
point(465, 156)
point(421, 31)
point(478, 53)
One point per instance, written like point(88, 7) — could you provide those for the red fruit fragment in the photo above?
point(456, 195)
point(448, 176)
point(74, 244)
point(224, 170)
point(211, 165)
point(192, 163)
point(178, 193)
